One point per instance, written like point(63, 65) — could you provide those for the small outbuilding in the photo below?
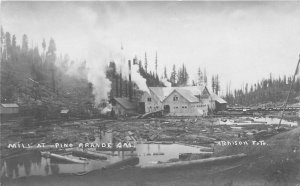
point(219, 103)
point(9, 108)
point(65, 114)
point(124, 106)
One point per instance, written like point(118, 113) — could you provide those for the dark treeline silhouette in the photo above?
point(33, 78)
point(270, 90)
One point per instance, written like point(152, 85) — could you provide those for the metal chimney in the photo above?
point(130, 84)
point(121, 86)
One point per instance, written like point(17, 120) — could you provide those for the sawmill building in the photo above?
point(181, 101)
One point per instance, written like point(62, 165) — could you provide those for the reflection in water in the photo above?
point(34, 164)
point(13, 166)
point(47, 169)
point(54, 168)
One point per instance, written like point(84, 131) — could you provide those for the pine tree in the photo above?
point(7, 46)
point(205, 77)
point(25, 43)
point(156, 63)
point(51, 58)
point(7, 41)
point(217, 84)
point(200, 77)
point(213, 85)
point(165, 73)
point(14, 42)
point(173, 76)
point(146, 63)
point(2, 42)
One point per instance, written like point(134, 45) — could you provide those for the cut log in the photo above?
point(64, 158)
point(132, 161)
point(193, 162)
point(88, 154)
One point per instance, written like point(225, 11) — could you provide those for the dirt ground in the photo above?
point(277, 163)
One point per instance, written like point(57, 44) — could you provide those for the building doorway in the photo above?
point(141, 108)
point(167, 109)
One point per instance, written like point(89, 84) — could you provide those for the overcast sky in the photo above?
point(242, 42)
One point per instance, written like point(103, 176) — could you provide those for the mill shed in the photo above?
point(9, 108)
point(182, 101)
point(124, 106)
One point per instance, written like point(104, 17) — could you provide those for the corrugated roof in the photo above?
point(126, 103)
point(9, 105)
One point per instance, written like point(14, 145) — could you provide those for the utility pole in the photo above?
point(292, 83)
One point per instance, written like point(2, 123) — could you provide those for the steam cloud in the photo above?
point(166, 82)
point(138, 79)
point(103, 48)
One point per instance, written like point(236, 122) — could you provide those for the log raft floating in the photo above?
point(88, 154)
point(132, 161)
point(192, 162)
point(64, 158)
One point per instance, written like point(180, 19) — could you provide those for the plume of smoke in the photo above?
point(101, 48)
point(101, 85)
point(122, 64)
point(138, 79)
point(166, 82)
point(98, 53)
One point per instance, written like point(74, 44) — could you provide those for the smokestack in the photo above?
point(121, 82)
point(117, 87)
point(130, 85)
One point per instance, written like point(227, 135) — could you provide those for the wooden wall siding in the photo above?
point(9, 110)
point(182, 107)
point(120, 111)
point(205, 94)
point(153, 105)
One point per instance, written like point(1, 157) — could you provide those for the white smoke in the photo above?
point(138, 79)
point(102, 47)
point(98, 53)
point(123, 67)
point(166, 82)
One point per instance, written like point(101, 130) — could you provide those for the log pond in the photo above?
point(32, 163)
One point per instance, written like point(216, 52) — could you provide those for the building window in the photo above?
point(175, 98)
point(149, 99)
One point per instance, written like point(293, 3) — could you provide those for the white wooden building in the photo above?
point(180, 101)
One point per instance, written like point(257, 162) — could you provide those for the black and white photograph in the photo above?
point(150, 93)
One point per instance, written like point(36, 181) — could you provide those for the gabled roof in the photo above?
point(10, 105)
point(126, 103)
point(64, 111)
point(188, 92)
point(217, 98)
point(188, 95)
point(161, 92)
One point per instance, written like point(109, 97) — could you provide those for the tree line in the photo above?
point(30, 76)
point(270, 90)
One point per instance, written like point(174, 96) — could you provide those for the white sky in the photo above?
point(240, 41)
